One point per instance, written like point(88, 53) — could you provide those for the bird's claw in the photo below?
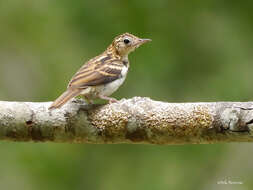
point(113, 100)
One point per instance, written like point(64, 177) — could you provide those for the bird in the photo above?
point(102, 75)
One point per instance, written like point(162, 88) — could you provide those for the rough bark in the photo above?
point(136, 120)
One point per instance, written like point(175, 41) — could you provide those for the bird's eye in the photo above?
point(126, 41)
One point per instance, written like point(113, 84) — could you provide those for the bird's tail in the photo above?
point(66, 96)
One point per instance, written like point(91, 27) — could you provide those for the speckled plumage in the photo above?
point(104, 74)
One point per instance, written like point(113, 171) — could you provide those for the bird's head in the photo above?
point(126, 43)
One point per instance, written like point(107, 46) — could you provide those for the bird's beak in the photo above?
point(143, 41)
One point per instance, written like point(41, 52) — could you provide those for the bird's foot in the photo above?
point(89, 101)
point(110, 99)
point(113, 100)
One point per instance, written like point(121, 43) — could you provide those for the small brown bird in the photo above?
point(104, 74)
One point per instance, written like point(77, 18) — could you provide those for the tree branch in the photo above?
point(136, 120)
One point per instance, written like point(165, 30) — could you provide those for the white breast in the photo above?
point(111, 87)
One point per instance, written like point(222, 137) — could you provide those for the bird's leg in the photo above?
point(110, 99)
point(89, 101)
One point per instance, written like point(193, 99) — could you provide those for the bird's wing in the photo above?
point(96, 73)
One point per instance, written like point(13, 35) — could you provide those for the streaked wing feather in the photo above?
point(96, 74)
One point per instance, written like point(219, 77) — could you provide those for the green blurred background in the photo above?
point(201, 51)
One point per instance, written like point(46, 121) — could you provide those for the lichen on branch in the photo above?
point(136, 120)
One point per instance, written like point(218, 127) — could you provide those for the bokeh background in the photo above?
point(201, 51)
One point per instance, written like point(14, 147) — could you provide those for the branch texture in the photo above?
point(136, 120)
